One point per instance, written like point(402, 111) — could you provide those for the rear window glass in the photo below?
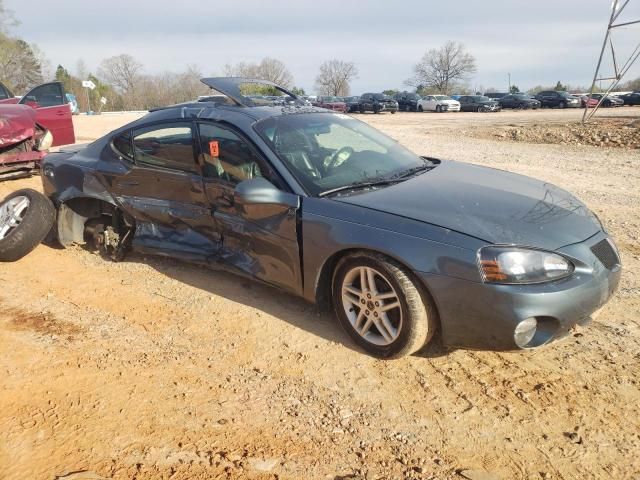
point(166, 145)
point(122, 145)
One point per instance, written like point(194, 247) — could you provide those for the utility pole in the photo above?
point(509, 75)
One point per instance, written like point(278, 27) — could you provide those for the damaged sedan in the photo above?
point(326, 207)
point(30, 125)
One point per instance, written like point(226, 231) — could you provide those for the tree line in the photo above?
point(125, 85)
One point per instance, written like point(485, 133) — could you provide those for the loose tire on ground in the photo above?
point(414, 319)
point(23, 225)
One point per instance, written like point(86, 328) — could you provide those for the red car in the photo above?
point(30, 125)
point(584, 100)
point(331, 103)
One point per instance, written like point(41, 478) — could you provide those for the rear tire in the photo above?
point(26, 217)
point(380, 306)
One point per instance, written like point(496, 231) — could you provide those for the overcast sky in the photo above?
point(537, 42)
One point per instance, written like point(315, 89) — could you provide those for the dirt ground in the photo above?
point(152, 368)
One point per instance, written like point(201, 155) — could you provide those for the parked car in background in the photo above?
point(631, 98)
point(607, 100)
point(438, 103)
point(73, 103)
point(455, 96)
point(519, 100)
point(30, 125)
point(353, 104)
point(326, 207)
point(495, 95)
point(377, 103)
point(478, 103)
point(584, 100)
point(407, 101)
point(331, 103)
point(560, 99)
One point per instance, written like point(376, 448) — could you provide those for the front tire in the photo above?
point(438, 109)
point(26, 217)
point(420, 109)
point(380, 306)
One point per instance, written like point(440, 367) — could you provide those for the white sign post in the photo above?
point(103, 102)
point(89, 85)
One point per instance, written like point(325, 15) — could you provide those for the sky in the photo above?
point(538, 43)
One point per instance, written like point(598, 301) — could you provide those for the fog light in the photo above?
point(525, 331)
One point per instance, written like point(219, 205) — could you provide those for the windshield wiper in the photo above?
point(410, 172)
point(383, 182)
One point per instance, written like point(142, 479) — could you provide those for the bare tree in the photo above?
point(275, 71)
point(442, 68)
point(270, 69)
point(122, 72)
point(335, 76)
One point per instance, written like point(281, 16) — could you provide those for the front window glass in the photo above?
point(47, 95)
point(327, 151)
point(226, 156)
point(380, 96)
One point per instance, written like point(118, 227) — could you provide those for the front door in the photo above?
point(260, 240)
point(162, 188)
point(52, 111)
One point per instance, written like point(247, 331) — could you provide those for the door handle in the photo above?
point(60, 114)
point(128, 183)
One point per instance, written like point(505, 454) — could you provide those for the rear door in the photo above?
point(259, 240)
point(162, 188)
point(52, 111)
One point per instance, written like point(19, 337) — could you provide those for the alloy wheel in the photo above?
point(372, 305)
point(11, 214)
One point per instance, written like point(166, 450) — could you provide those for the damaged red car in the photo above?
point(30, 125)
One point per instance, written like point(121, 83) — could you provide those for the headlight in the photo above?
point(504, 264)
point(45, 141)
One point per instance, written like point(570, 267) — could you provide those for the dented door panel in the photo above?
point(170, 208)
point(258, 240)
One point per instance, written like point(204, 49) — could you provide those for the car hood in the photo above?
point(17, 123)
point(449, 102)
point(493, 205)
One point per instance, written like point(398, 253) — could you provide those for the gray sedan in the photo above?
point(326, 207)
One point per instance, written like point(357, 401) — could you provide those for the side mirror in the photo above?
point(260, 191)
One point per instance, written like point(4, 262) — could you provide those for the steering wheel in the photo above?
point(340, 157)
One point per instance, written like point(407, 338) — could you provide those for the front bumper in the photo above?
point(484, 316)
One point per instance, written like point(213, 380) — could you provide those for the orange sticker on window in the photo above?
point(214, 149)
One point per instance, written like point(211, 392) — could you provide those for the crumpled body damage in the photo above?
point(18, 131)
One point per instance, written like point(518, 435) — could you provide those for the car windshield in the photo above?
point(442, 97)
point(330, 99)
point(380, 96)
point(327, 151)
point(480, 98)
